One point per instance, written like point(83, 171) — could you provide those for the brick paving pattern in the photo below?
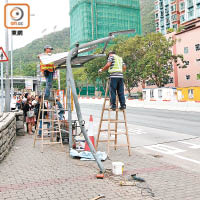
point(26, 173)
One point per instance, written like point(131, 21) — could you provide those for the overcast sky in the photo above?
point(48, 14)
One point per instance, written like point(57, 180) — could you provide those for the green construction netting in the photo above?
point(94, 19)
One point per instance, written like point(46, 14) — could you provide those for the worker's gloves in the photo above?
point(100, 71)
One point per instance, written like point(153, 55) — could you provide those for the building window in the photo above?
point(186, 62)
point(197, 47)
point(156, 16)
point(182, 18)
point(166, 2)
point(157, 24)
point(151, 93)
point(174, 17)
point(173, 8)
point(167, 26)
point(144, 94)
point(190, 3)
point(190, 13)
point(186, 50)
point(167, 20)
point(198, 10)
point(160, 94)
point(149, 83)
point(198, 76)
point(191, 94)
point(174, 26)
point(187, 77)
point(162, 14)
point(171, 80)
point(182, 6)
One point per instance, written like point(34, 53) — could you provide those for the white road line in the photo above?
point(171, 151)
point(191, 145)
point(165, 149)
point(188, 159)
point(136, 131)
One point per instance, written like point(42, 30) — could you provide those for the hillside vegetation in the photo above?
point(147, 16)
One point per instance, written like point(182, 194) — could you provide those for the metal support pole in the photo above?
point(11, 59)
point(78, 110)
point(2, 100)
point(7, 81)
point(69, 109)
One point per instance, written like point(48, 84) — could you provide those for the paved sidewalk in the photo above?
point(28, 174)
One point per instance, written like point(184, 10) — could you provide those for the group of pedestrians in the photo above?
point(30, 105)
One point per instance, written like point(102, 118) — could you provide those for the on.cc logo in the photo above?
point(16, 14)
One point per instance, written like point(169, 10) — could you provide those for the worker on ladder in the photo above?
point(47, 70)
point(115, 67)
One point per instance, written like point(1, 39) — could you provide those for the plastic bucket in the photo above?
point(117, 168)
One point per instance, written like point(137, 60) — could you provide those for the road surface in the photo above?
point(172, 136)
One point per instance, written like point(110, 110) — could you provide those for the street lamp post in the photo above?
point(12, 89)
point(2, 102)
point(7, 81)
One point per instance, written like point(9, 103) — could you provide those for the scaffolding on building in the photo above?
point(94, 19)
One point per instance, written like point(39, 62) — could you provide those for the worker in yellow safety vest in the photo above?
point(115, 67)
point(47, 70)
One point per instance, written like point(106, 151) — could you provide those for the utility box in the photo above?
point(94, 19)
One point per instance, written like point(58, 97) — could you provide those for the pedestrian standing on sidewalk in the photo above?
point(47, 70)
point(29, 114)
point(13, 103)
point(19, 103)
point(115, 67)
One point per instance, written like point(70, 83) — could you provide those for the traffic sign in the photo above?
point(3, 56)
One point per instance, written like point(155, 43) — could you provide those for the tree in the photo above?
point(80, 78)
point(92, 68)
point(148, 58)
point(132, 52)
point(158, 59)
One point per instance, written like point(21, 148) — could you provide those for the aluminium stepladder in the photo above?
point(112, 131)
point(51, 134)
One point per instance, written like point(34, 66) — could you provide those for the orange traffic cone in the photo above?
point(90, 134)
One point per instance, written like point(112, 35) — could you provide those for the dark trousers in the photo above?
point(117, 85)
point(49, 80)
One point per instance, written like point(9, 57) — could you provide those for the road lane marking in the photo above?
point(188, 159)
point(165, 149)
point(171, 151)
point(191, 145)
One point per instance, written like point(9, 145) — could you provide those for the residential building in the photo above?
point(186, 80)
point(94, 19)
point(175, 13)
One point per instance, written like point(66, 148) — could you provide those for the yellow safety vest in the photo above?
point(49, 67)
point(117, 67)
